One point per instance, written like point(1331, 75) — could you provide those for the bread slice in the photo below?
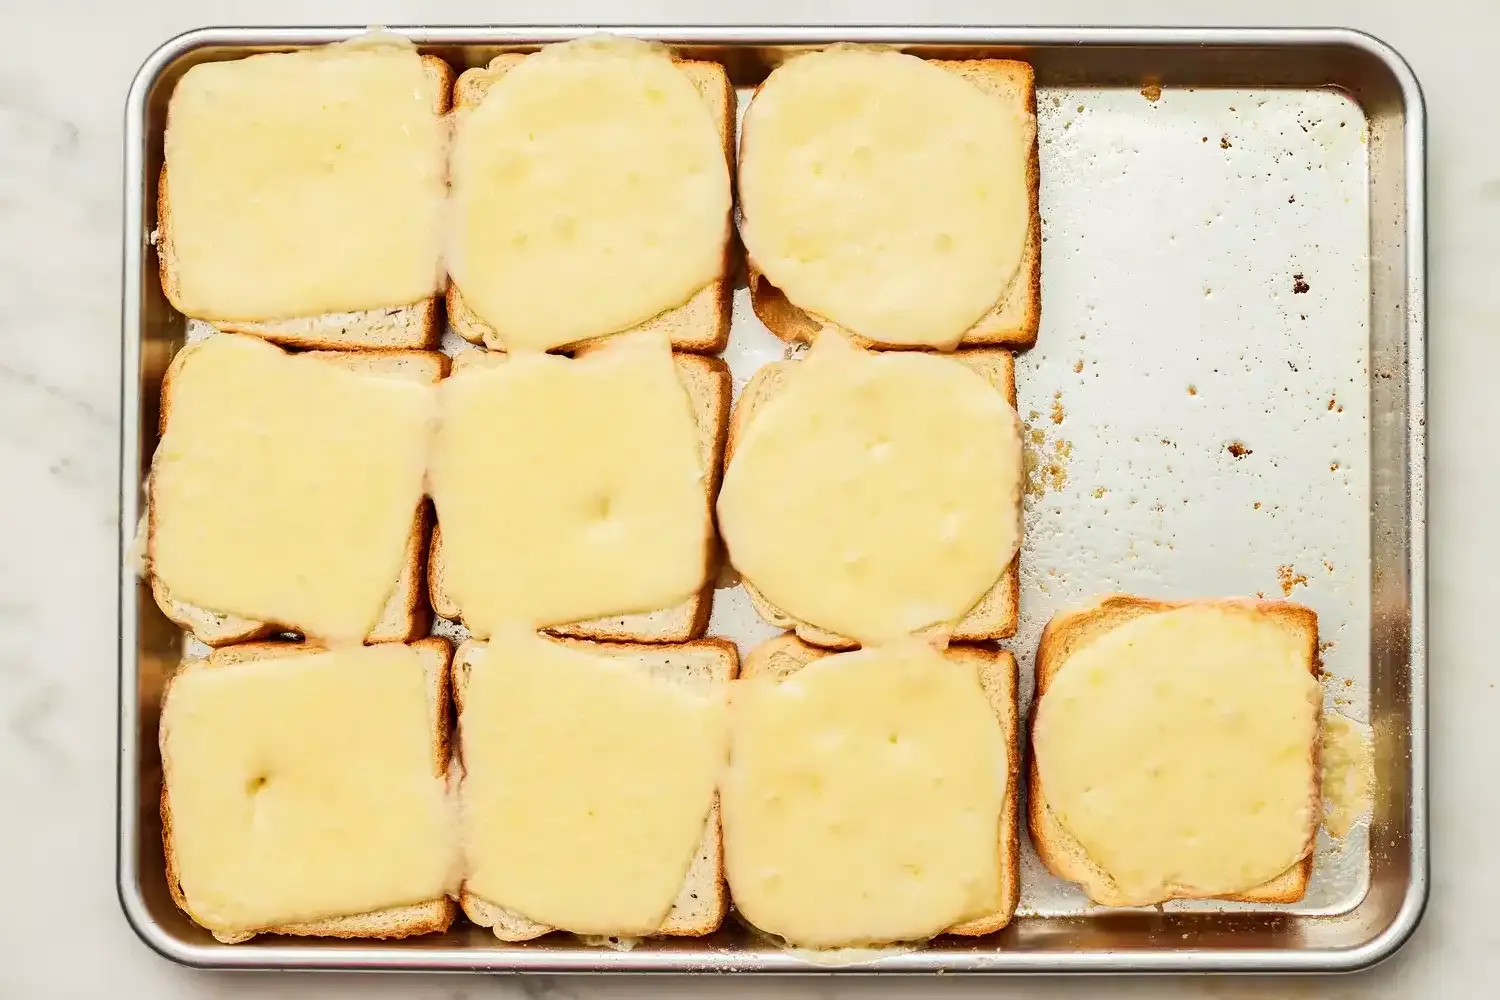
point(703, 901)
point(786, 654)
point(998, 611)
point(1069, 632)
point(406, 615)
point(708, 387)
point(700, 324)
point(1015, 319)
point(415, 326)
point(430, 917)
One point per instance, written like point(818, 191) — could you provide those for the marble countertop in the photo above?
point(62, 87)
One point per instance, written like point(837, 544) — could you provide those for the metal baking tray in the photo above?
point(1227, 397)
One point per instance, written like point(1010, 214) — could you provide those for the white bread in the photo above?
point(416, 326)
point(996, 614)
point(430, 917)
point(708, 386)
point(406, 615)
point(702, 323)
point(1015, 319)
point(1070, 631)
point(786, 654)
point(703, 901)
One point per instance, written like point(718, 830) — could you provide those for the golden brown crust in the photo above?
point(784, 655)
point(997, 614)
point(422, 322)
point(702, 323)
point(428, 917)
point(791, 323)
point(1070, 631)
point(713, 918)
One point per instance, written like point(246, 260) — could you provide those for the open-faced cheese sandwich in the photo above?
point(873, 796)
point(871, 495)
point(287, 491)
point(893, 197)
point(1175, 750)
point(588, 800)
point(305, 791)
point(575, 494)
point(591, 196)
point(302, 197)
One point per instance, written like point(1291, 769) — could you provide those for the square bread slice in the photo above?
point(418, 326)
point(430, 917)
point(1016, 318)
point(786, 654)
point(998, 611)
point(703, 901)
point(700, 324)
point(406, 615)
point(708, 387)
point(1070, 631)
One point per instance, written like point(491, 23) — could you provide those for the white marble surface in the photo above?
point(62, 84)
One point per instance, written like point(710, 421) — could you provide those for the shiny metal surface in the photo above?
point(1180, 230)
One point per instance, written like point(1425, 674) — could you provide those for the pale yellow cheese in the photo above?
point(591, 193)
point(285, 487)
point(863, 799)
point(1179, 749)
point(306, 787)
point(306, 183)
point(570, 489)
point(587, 781)
point(878, 494)
point(885, 194)
point(1348, 774)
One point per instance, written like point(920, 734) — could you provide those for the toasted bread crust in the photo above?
point(406, 615)
point(431, 916)
point(998, 675)
point(690, 915)
point(707, 381)
point(416, 326)
point(1016, 318)
point(702, 323)
point(1070, 631)
point(996, 615)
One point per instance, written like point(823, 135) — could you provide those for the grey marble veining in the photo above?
point(62, 86)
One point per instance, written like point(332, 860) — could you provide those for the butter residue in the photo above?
point(1348, 774)
point(838, 957)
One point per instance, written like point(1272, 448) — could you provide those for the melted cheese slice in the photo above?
point(884, 193)
point(864, 797)
point(306, 183)
point(1178, 748)
point(591, 193)
point(306, 787)
point(587, 781)
point(878, 494)
point(1348, 774)
point(609, 516)
point(284, 487)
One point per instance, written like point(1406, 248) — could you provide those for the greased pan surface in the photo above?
point(1227, 397)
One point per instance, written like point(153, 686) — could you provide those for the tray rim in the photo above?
point(381, 956)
